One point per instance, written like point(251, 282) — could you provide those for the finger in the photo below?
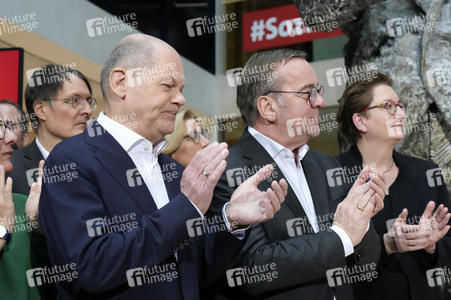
point(284, 184)
point(278, 190)
point(41, 172)
point(402, 216)
point(8, 190)
point(259, 176)
point(440, 213)
point(379, 203)
point(2, 177)
point(428, 210)
point(203, 157)
point(274, 200)
point(268, 209)
point(444, 231)
point(212, 164)
point(213, 178)
point(378, 186)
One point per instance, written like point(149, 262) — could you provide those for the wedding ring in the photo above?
point(361, 208)
point(206, 173)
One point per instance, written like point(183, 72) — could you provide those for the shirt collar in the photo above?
point(274, 148)
point(41, 148)
point(127, 138)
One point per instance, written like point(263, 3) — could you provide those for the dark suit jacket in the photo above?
point(24, 159)
point(303, 260)
point(404, 274)
point(104, 188)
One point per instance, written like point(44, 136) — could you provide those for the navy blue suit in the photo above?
point(106, 187)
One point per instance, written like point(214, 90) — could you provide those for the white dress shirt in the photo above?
point(41, 148)
point(294, 174)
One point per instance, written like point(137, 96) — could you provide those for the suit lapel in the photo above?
point(120, 166)
point(255, 155)
point(33, 155)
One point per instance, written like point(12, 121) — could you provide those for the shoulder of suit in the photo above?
point(415, 163)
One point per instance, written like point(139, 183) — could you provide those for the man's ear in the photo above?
point(359, 122)
point(267, 108)
point(118, 82)
point(40, 109)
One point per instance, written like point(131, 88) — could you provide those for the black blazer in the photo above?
point(302, 260)
point(404, 274)
point(24, 159)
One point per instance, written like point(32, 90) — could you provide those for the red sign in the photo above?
point(282, 25)
point(11, 61)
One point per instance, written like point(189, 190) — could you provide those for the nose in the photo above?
point(319, 101)
point(86, 109)
point(400, 113)
point(179, 99)
point(10, 137)
point(204, 142)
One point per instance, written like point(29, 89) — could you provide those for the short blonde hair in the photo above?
point(176, 138)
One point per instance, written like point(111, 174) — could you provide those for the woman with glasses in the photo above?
point(414, 244)
point(18, 217)
point(187, 138)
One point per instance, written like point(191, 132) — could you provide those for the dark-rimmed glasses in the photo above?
point(312, 94)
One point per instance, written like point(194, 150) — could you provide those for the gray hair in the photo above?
point(249, 91)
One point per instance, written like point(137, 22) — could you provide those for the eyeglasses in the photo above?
point(389, 105)
point(78, 102)
point(3, 126)
point(195, 136)
point(312, 94)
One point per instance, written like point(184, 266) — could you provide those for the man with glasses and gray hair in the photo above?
point(59, 103)
point(319, 229)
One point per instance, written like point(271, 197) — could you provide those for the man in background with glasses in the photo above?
point(318, 228)
point(59, 104)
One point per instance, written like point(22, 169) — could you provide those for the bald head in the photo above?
point(133, 51)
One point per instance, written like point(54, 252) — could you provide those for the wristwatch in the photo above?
point(4, 234)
